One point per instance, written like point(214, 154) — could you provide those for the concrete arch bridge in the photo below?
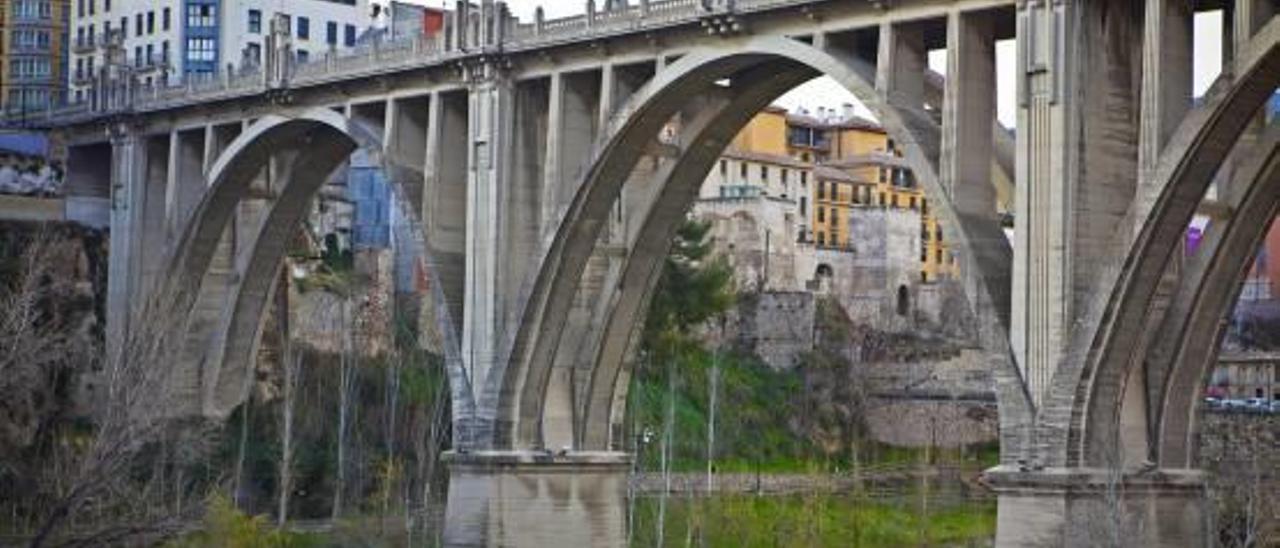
point(550, 161)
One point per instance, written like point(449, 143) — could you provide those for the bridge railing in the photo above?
point(419, 50)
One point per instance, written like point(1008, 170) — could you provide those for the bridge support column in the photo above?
point(1072, 507)
point(128, 183)
point(536, 499)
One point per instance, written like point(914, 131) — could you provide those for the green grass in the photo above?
point(811, 520)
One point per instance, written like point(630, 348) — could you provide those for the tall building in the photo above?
point(33, 55)
point(164, 39)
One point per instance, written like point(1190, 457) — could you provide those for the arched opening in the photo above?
point(756, 73)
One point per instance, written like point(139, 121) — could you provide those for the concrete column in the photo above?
point(154, 221)
point(968, 107)
point(1077, 169)
point(536, 499)
point(900, 64)
point(552, 174)
point(573, 118)
point(1084, 507)
point(186, 184)
point(1244, 19)
point(1166, 84)
point(489, 154)
point(128, 184)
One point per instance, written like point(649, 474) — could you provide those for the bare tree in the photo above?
point(292, 362)
point(86, 494)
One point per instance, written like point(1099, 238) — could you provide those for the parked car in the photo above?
point(1257, 405)
point(1275, 406)
point(1234, 405)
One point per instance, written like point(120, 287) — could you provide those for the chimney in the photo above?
point(848, 111)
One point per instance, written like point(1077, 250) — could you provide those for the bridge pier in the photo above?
point(1071, 507)
point(536, 498)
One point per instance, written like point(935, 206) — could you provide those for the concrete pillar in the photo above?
point(536, 499)
point(969, 106)
point(900, 64)
point(489, 153)
point(1085, 507)
point(186, 179)
point(573, 122)
point(555, 122)
point(154, 220)
point(1077, 168)
point(128, 184)
point(1166, 85)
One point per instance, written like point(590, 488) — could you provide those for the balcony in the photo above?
point(84, 45)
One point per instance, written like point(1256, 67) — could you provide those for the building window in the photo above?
point(137, 56)
point(924, 206)
point(164, 19)
point(349, 35)
point(913, 203)
point(202, 49)
point(304, 28)
point(202, 15)
point(92, 6)
point(137, 25)
point(124, 27)
point(884, 175)
point(764, 174)
point(151, 55)
point(939, 255)
point(884, 200)
point(742, 170)
point(254, 51)
point(904, 300)
point(938, 234)
point(924, 254)
point(822, 190)
point(331, 33)
point(303, 56)
point(804, 206)
point(164, 52)
point(822, 214)
point(255, 21)
point(784, 175)
point(106, 6)
point(822, 237)
point(896, 203)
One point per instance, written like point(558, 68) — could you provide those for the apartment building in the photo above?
point(33, 55)
point(166, 40)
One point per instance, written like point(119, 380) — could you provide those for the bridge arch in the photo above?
point(309, 147)
point(1089, 387)
point(778, 63)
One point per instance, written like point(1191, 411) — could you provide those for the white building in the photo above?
point(164, 39)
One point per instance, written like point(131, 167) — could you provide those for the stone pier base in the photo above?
point(535, 499)
point(1096, 507)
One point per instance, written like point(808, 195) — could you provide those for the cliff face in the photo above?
point(52, 311)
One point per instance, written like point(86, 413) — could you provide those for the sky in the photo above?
point(825, 92)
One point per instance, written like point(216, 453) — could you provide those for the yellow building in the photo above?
point(33, 53)
point(829, 163)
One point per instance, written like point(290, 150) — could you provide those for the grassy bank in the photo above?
point(812, 520)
